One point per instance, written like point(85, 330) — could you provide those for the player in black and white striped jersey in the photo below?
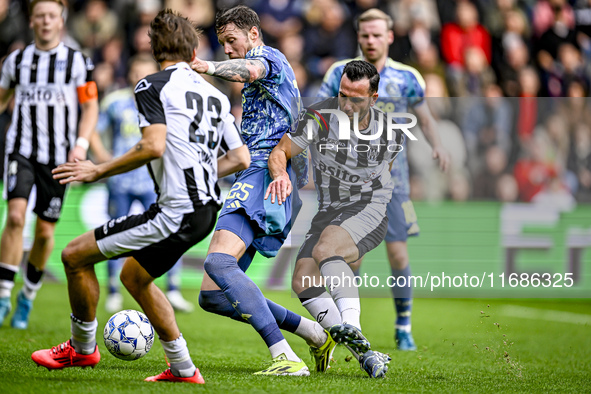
point(48, 86)
point(49, 81)
point(353, 182)
point(352, 170)
point(184, 120)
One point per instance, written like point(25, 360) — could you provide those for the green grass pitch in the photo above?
point(466, 345)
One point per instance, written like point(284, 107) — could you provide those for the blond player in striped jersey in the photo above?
point(49, 82)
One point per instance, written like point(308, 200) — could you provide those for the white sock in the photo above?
point(282, 347)
point(350, 311)
point(177, 353)
point(30, 289)
point(7, 285)
point(83, 335)
point(406, 328)
point(324, 310)
point(312, 332)
point(341, 282)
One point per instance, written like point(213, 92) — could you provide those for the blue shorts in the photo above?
point(255, 220)
point(402, 218)
point(120, 203)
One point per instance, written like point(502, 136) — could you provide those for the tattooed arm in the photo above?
point(150, 147)
point(235, 70)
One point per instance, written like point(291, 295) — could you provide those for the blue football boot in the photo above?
point(404, 340)
point(20, 319)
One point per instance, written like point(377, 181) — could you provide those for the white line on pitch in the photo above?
point(547, 315)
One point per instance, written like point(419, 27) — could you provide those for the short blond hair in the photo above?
point(375, 14)
point(35, 2)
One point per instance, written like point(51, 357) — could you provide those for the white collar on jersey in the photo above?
point(179, 64)
point(51, 51)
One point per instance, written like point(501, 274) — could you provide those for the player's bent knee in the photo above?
point(15, 220)
point(398, 261)
point(79, 253)
point(210, 267)
point(322, 251)
point(398, 257)
point(69, 258)
point(216, 264)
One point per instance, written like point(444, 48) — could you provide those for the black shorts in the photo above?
point(156, 238)
point(20, 176)
point(366, 223)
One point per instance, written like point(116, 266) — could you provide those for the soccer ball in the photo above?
point(128, 335)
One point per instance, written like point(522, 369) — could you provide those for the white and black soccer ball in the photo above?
point(128, 335)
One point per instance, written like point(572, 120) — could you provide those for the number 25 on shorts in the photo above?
point(240, 191)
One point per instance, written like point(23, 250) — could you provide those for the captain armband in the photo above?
point(87, 92)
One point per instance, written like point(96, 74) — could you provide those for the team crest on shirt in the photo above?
point(373, 152)
point(393, 90)
point(89, 65)
point(60, 65)
point(142, 85)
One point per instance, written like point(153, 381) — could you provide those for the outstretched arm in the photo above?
point(428, 125)
point(150, 147)
point(281, 185)
point(235, 70)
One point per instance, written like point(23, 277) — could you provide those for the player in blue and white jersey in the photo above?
point(118, 114)
point(248, 223)
point(401, 89)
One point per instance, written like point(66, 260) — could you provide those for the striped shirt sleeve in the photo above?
point(149, 104)
point(299, 135)
point(7, 79)
point(82, 69)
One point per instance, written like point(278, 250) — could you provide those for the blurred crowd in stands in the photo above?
point(507, 79)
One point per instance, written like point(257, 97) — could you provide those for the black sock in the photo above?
point(34, 274)
point(7, 274)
